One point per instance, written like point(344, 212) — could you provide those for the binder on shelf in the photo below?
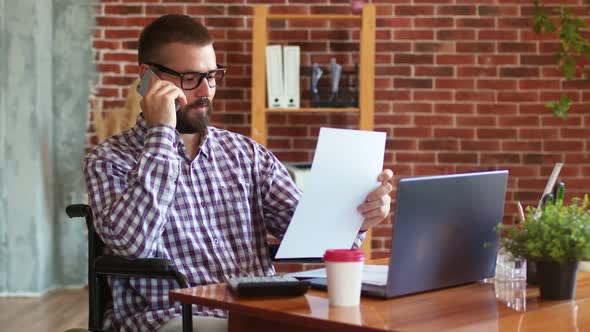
point(291, 57)
point(274, 77)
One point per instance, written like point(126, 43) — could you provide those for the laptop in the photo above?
point(443, 234)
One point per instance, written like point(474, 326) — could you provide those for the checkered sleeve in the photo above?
point(130, 202)
point(280, 195)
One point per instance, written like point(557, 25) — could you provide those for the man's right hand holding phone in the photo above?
point(159, 102)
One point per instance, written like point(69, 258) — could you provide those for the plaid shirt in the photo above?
point(209, 215)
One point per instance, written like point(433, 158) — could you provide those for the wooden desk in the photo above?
point(467, 308)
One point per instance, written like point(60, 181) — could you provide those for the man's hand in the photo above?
point(159, 103)
point(377, 204)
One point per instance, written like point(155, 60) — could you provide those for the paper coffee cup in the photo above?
point(344, 269)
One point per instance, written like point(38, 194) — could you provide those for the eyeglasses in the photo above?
point(192, 79)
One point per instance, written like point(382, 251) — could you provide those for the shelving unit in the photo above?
point(366, 74)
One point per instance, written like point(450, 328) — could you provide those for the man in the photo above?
point(174, 187)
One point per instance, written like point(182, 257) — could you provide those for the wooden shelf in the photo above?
point(312, 110)
point(312, 17)
point(366, 78)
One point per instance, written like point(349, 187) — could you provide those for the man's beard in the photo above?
point(189, 121)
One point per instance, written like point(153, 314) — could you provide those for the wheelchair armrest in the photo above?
point(78, 211)
point(142, 267)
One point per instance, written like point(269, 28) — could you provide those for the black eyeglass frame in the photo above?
point(167, 70)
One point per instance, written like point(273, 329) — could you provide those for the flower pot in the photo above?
point(557, 281)
point(531, 273)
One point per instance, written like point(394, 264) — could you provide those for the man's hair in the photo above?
point(169, 29)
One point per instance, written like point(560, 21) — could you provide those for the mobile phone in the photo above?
point(144, 84)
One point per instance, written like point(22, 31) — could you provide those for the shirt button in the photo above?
point(203, 204)
point(216, 241)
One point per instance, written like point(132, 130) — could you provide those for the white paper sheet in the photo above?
point(372, 274)
point(344, 170)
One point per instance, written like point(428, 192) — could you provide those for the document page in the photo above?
point(344, 170)
point(372, 274)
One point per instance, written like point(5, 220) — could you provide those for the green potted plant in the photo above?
point(555, 241)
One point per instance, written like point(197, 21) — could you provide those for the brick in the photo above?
point(433, 47)
point(464, 158)
point(492, 60)
point(505, 47)
point(344, 46)
point(571, 121)
point(439, 145)
point(451, 83)
point(412, 108)
point(422, 170)
point(413, 59)
point(433, 120)
point(456, 10)
point(496, 84)
point(527, 59)
point(414, 10)
point(393, 119)
point(515, 23)
point(108, 68)
point(475, 96)
point(392, 95)
point(455, 35)
point(393, 70)
point(422, 95)
point(522, 171)
point(166, 9)
point(329, 34)
point(453, 108)
point(420, 157)
point(122, 33)
point(393, 22)
point(225, 22)
point(541, 84)
point(433, 71)
point(413, 34)
point(477, 121)
point(477, 72)
point(577, 158)
point(123, 9)
point(433, 22)
point(519, 121)
point(517, 96)
point(575, 133)
point(534, 133)
point(483, 133)
point(119, 56)
point(400, 144)
point(477, 23)
point(393, 47)
point(455, 59)
point(499, 109)
point(465, 133)
point(412, 132)
point(498, 10)
point(528, 146)
point(412, 83)
point(237, 10)
point(479, 145)
point(561, 145)
point(497, 35)
point(576, 84)
point(476, 47)
point(500, 158)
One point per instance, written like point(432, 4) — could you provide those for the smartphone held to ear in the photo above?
point(144, 85)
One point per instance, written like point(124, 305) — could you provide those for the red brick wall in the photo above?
point(460, 84)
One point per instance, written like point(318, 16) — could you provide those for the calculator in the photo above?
point(267, 286)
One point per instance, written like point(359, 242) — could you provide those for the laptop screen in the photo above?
point(442, 225)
